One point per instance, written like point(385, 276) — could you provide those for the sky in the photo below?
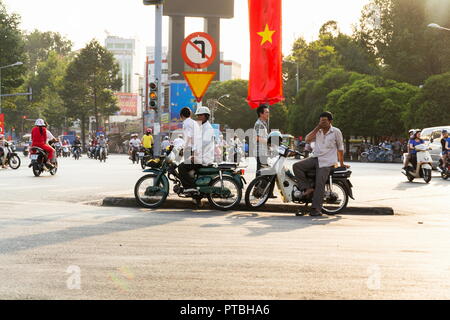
point(83, 20)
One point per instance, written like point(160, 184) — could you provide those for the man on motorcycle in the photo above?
point(411, 133)
point(76, 144)
point(40, 137)
point(203, 150)
point(147, 141)
point(328, 149)
point(134, 144)
point(102, 143)
point(188, 131)
point(3, 150)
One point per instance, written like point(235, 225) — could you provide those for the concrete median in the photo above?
point(177, 203)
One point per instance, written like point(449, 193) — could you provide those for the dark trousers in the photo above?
point(300, 168)
point(186, 180)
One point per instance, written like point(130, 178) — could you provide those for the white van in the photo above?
point(433, 136)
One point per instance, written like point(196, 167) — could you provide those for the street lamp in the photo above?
point(212, 103)
point(11, 65)
point(436, 26)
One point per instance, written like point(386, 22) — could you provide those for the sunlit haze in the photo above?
point(83, 20)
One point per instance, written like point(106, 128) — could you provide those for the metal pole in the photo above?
point(158, 72)
point(298, 80)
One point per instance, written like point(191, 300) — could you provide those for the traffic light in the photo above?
point(153, 2)
point(153, 96)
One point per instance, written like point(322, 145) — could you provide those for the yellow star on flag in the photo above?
point(266, 35)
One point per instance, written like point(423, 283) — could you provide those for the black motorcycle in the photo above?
point(145, 155)
point(12, 159)
point(38, 163)
point(77, 151)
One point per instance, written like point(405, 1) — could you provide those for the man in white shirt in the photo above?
point(328, 149)
point(135, 145)
point(188, 132)
point(178, 142)
point(203, 149)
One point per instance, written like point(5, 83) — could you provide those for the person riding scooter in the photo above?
point(203, 150)
point(39, 138)
point(415, 141)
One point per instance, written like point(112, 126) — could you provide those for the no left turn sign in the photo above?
point(199, 50)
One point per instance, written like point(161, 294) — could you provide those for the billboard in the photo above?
point(180, 96)
point(2, 123)
point(128, 103)
point(199, 8)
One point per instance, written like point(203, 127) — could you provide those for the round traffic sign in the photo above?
point(199, 50)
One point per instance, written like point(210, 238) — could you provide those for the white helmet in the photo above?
point(39, 123)
point(203, 110)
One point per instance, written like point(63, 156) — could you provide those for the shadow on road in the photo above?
point(147, 219)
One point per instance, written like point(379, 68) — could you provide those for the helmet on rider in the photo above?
point(166, 138)
point(40, 123)
point(203, 110)
point(148, 131)
point(444, 131)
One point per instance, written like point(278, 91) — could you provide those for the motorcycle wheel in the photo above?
point(427, 175)
point(143, 161)
point(148, 198)
point(258, 192)
point(372, 157)
point(225, 203)
point(14, 162)
point(444, 175)
point(36, 170)
point(335, 201)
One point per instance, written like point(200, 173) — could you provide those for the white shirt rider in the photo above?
point(204, 144)
point(135, 142)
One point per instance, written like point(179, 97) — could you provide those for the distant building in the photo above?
point(229, 70)
point(126, 53)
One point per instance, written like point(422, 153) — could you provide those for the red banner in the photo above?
point(2, 123)
point(265, 82)
point(128, 103)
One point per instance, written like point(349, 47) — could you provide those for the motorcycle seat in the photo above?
point(38, 150)
point(227, 166)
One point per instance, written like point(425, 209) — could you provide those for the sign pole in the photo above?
point(158, 73)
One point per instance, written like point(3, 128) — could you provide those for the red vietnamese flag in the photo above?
point(265, 83)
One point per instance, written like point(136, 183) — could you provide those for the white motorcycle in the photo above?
point(337, 190)
point(423, 167)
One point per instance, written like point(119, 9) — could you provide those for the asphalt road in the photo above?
point(53, 246)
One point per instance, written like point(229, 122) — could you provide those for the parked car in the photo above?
point(433, 136)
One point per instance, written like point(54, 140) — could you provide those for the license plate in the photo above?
point(34, 157)
point(141, 154)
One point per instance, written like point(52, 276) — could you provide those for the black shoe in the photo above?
point(315, 213)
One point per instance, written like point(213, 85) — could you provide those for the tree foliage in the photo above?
point(11, 51)
point(89, 83)
point(39, 45)
point(396, 32)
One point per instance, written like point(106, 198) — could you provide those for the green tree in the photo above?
point(88, 86)
point(39, 45)
point(431, 105)
point(396, 32)
point(11, 51)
